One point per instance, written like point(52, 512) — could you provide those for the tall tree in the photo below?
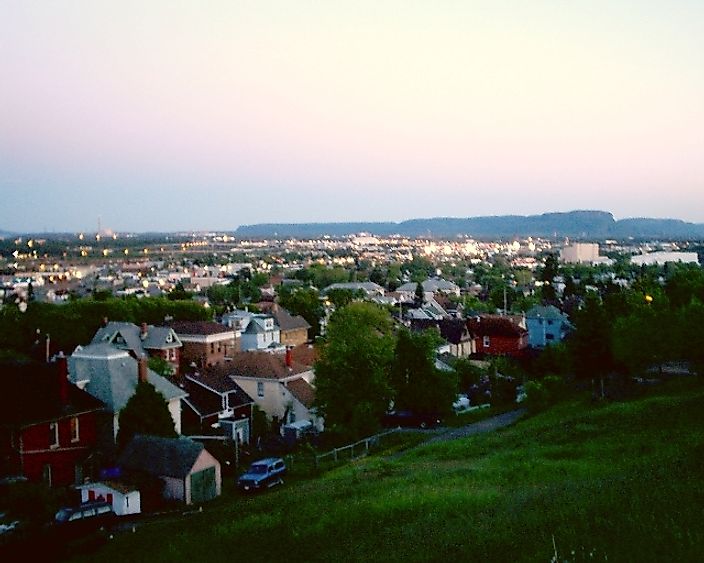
point(418, 385)
point(145, 413)
point(352, 374)
point(547, 276)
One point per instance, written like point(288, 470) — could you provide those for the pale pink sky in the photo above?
point(170, 115)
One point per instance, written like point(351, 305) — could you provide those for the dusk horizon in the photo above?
point(163, 118)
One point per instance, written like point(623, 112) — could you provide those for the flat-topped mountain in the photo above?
point(573, 224)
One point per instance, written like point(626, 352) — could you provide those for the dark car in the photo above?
point(263, 474)
point(410, 419)
point(85, 525)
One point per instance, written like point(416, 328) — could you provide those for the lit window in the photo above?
point(486, 342)
point(75, 436)
point(54, 435)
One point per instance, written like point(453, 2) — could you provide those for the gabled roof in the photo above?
point(303, 391)
point(549, 312)
point(128, 336)
point(112, 375)
point(31, 394)
point(283, 318)
point(171, 457)
point(199, 328)
point(263, 365)
point(495, 325)
point(306, 354)
point(431, 286)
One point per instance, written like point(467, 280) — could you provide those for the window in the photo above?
point(54, 435)
point(486, 342)
point(550, 337)
point(74, 429)
point(260, 389)
point(212, 347)
point(46, 474)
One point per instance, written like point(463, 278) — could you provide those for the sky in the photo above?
point(176, 115)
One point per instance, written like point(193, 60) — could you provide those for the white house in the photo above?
point(123, 498)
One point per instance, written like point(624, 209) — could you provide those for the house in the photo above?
point(124, 499)
point(546, 325)
point(205, 343)
point(498, 335)
point(461, 342)
point(260, 332)
point(111, 375)
point(47, 425)
point(215, 399)
point(280, 386)
point(293, 329)
point(370, 289)
point(143, 340)
point(431, 286)
point(190, 474)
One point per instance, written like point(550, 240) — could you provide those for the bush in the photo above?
point(537, 396)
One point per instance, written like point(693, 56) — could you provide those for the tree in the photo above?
point(341, 297)
point(179, 293)
point(590, 345)
point(145, 413)
point(161, 366)
point(352, 374)
point(303, 301)
point(420, 295)
point(547, 276)
point(418, 385)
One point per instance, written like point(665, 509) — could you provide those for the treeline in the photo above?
point(73, 323)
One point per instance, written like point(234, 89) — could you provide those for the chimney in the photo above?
point(289, 357)
point(105, 322)
point(143, 331)
point(62, 374)
point(142, 370)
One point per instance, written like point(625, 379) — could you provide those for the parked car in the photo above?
point(410, 419)
point(87, 524)
point(263, 474)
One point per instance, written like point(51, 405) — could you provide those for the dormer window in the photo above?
point(169, 339)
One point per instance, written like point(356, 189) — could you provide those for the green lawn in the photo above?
point(616, 482)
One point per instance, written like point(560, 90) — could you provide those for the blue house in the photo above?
point(546, 325)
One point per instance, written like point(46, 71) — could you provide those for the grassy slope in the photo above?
point(625, 481)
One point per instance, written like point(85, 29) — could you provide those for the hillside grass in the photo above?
point(616, 482)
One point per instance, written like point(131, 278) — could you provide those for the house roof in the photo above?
point(111, 375)
point(129, 336)
point(452, 330)
point(206, 390)
point(303, 391)
point(495, 325)
point(283, 318)
point(431, 286)
point(369, 287)
point(263, 365)
point(305, 354)
point(31, 394)
point(200, 328)
point(549, 312)
point(116, 486)
point(171, 457)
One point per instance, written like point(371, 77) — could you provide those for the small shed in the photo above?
point(189, 472)
point(123, 498)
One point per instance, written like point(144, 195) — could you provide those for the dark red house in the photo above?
point(498, 335)
point(47, 424)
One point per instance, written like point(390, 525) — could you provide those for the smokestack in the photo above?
point(289, 358)
point(62, 374)
point(143, 331)
point(142, 370)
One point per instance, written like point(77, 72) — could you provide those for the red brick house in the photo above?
point(205, 343)
point(47, 425)
point(498, 335)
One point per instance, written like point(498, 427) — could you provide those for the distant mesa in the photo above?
point(573, 224)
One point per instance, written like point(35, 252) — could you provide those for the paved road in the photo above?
point(481, 427)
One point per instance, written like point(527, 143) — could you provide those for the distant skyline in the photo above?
point(163, 116)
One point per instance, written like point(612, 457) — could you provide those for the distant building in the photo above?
point(661, 258)
point(580, 253)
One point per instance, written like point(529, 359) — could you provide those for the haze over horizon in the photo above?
point(160, 117)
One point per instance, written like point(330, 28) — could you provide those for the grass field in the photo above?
point(616, 482)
